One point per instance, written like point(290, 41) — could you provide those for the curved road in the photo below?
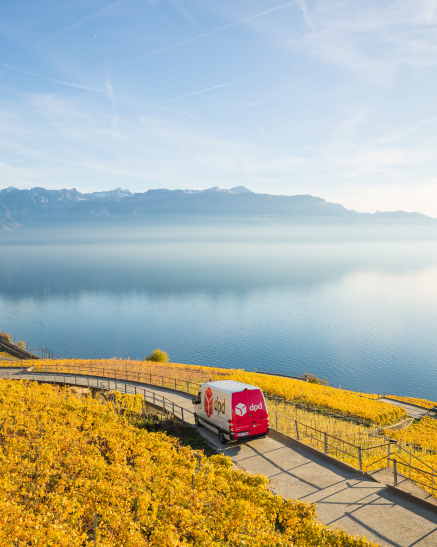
point(344, 498)
point(413, 410)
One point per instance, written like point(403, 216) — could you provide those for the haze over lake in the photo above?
point(364, 315)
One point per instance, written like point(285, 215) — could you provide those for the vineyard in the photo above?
point(7, 356)
point(342, 402)
point(419, 402)
point(347, 403)
point(423, 434)
point(77, 472)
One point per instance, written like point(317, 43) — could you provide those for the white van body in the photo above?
point(232, 409)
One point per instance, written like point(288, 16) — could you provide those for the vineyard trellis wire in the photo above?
point(188, 386)
point(366, 444)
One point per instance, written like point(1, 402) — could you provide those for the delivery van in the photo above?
point(232, 409)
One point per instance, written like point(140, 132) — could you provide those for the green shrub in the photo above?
point(312, 379)
point(5, 335)
point(158, 356)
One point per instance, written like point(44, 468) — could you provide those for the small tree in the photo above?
point(158, 356)
point(5, 336)
point(312, 379)
point(22, 345)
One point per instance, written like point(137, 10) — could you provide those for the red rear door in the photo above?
point(249, 413)
point(257, 410)
point(240, 415)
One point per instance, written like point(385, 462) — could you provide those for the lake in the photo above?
point(363, 315)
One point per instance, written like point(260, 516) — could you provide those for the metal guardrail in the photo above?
point(169, 382)
point(402, 462)
point(330, 443)
point(168, 406)
point(15, 350)
point(186, 386)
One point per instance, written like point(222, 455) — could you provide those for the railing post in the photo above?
point(188, 386)
point(95, 528)
point(173, 411)
point(325, 438)
point(138, 376)
point(182, 414)
point(162, 381)
point(175, 384)
point(432, 482)
point(297, 429)
point(388, 455)
point(276, 420)
point(395, 472)
point(360, 460)
point(150, 378)
point(154, 398)
point(409, 469)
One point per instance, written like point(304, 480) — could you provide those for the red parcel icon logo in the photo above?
point(209, 402)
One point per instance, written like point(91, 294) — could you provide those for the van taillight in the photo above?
point(230, 421)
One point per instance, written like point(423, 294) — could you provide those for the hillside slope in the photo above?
point(76, 473)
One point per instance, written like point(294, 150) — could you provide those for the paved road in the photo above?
point(413, 411)
point(344, 498)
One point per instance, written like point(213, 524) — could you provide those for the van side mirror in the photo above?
point(195, 402)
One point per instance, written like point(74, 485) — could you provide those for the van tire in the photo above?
point(197, 421)
point(222, 438)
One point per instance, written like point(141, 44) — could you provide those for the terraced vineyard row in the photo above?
point(346, 403)
point(74, 473)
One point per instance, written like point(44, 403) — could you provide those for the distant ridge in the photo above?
point(37, 206)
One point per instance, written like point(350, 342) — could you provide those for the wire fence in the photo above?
point(359, 446)
point(297, 410)
point(81, 381)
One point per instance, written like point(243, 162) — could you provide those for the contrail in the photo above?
point(168, 100)
point(52, 79)
point(189, 40)
point(69, 28)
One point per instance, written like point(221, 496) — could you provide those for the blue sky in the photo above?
point(331, 98)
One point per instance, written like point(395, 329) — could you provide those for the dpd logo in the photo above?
point(240, 409)
point(209, 402)
point(256, 407)
point(219, 406)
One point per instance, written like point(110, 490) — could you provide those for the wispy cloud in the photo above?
point(61, 82)
point(69, 28)
point(372, 40)
point(170, 100)
point(205, 34)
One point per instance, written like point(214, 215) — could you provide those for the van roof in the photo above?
point(231, 386)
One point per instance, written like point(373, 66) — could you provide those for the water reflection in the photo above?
point(363, 315)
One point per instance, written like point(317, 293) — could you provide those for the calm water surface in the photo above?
point(363, 315)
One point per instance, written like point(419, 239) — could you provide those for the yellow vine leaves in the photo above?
point(344, 402)
point(64, 459)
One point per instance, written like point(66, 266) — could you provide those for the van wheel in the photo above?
point(196, 419)
point(222, 438)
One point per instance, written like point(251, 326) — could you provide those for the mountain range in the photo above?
point(38, 206)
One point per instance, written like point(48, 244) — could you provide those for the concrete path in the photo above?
point(344, 498)
point(413, 411)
